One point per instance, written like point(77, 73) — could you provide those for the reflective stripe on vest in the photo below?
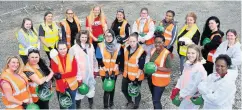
point(211, 53)
point(160, 78)
point(131, 67)
point(168, 34)
point(31, 39)
point(145, 30)
point(108, 59)
point(16, 105)
point(68, 30)
point(51, 35)
point(122, 29)
point(72, 81)
point(189, 34)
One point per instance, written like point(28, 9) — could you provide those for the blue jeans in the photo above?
point(182, 61)
point(73, 95)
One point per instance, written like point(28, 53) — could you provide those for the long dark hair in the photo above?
point(78, 35)
point(206, 29)
point(41, 63)
point(24, 29)
point(116, 20)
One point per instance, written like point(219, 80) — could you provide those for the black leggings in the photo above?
point(108, 95)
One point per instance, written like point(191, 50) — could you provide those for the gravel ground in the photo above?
point(229, 14)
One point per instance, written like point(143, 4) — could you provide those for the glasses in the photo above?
point(158, 42)
point(120, 10)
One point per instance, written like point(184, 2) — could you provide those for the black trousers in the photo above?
point(156, 93)
point(124, 88)
point(208, 67)
point(108, 96)
point(42, 104)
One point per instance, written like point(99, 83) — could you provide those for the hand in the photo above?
point(112, 75)
point(106, 74)
point(136, 82)
point(180, 98)
point(202, 47)
point(79, 83)
point(24, 105)
point(57, 76)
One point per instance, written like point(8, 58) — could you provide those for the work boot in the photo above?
point(111, 105)
point(130, 105)
point(78, 104)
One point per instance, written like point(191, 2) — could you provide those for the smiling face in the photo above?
point(108, 37)
point(190, 21)
point(213, 25)
point(192, 55)
point(96, 11)
point(62, 49)
point(27, 24)
point(83, 38)
point(13, 64)
point(231, 37)
point(33, 58)
point(169, 17)
point(120, 16)
point(48, 18)
point(159, 43)
point(144, 14)
point(221, 66)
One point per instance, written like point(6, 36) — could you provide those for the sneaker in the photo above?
point(111, 105)
point(130, 105)
point(135, 107)
point(90, 106)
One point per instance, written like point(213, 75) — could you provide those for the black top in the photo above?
point(116, 28)
point(141, 58)
point(195, 38)
point(41, 30)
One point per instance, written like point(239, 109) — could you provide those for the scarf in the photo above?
point(111, 46)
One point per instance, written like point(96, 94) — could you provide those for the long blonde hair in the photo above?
point(91, 16)
point(21, 64)
point(198, 50)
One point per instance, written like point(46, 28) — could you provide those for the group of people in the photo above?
point(78, 56)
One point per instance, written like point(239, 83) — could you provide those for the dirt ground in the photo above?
point(229, 13)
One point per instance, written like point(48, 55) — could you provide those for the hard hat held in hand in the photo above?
point(159, 29)
point(44, 93)
point(206, 40)
point(197, 100)
point(133, 90)
point(108, 85)
point(100, 38)
point(150, 68)
point(83, 89)
point(176, 101)
point(32, 106)
point(65, 100)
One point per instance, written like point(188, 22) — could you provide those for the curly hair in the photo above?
point(226, 58)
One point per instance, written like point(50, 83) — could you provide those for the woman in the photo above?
point(134, 57)
point(218, 90)
point(108, 55)
point(65, 68)
point(96, 24)
point(211, 31)
point(145, 28)
point(27, 38)
point(14, 85)
point(192, 75)
point(39, 75)
point(71, 27)
point(170, 31)
point(189, 34)
point(161, 78)
point(49, 33)
point(231, 47)
point(87, 65)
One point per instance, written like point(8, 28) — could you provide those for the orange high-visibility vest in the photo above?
point(168, 34)
point(161, 78)
point(20, 90)
point(72, 81)
point(211, 53)
point(33, 85)
point(108, 59)
point(131, 67)
point(68, 29)
point(122, 29)
point(146, 30)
